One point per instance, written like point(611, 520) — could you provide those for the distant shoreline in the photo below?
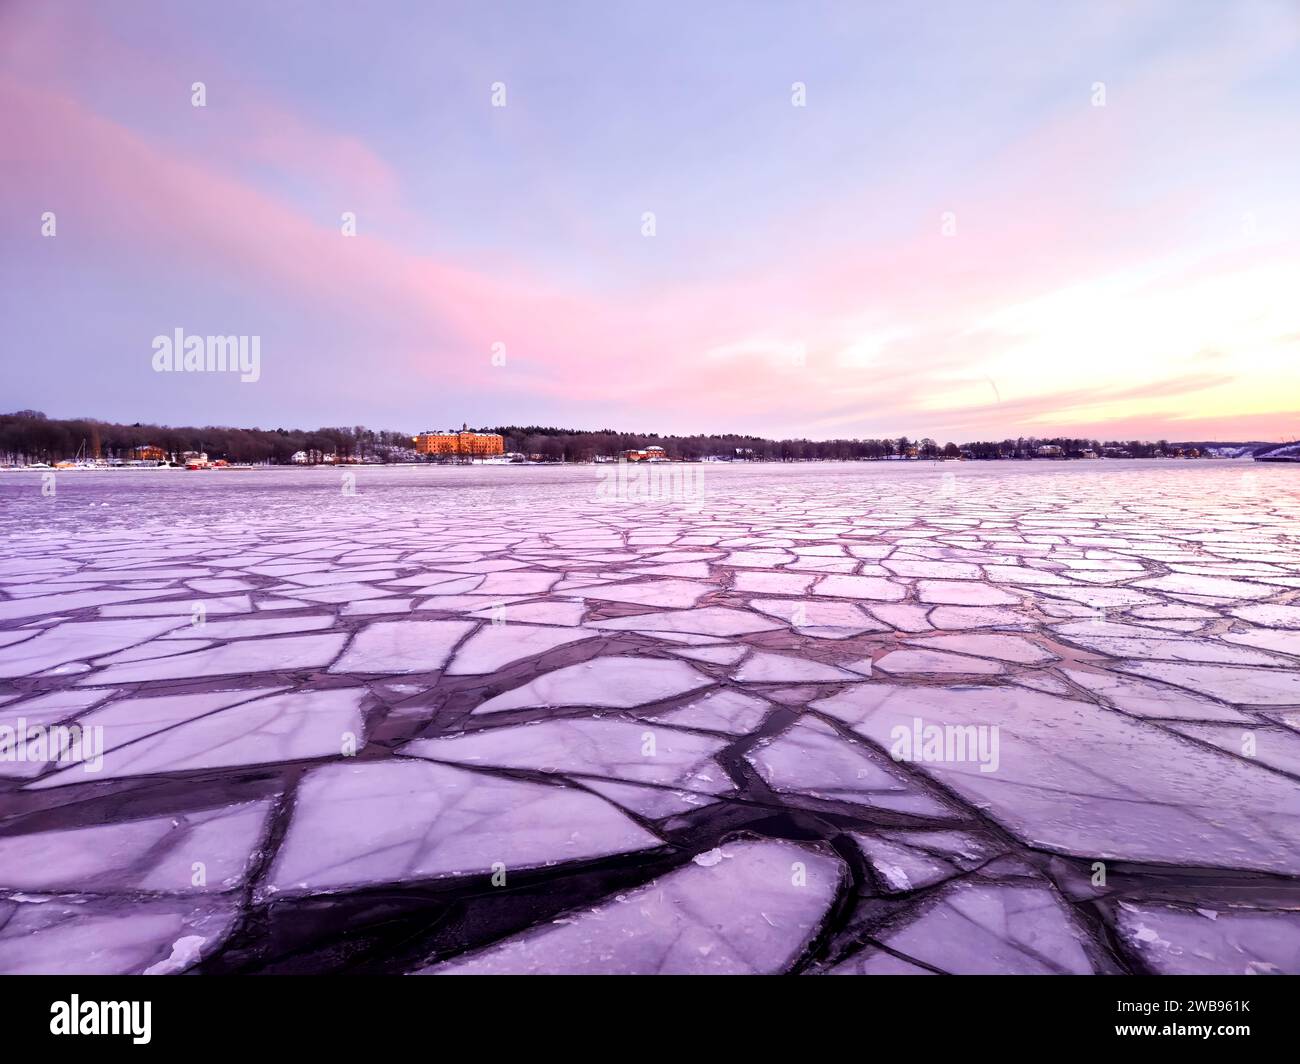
point(28, 437)
point(743, 463)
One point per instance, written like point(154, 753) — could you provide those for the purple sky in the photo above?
point(949, 239)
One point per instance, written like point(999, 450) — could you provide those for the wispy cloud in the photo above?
point(1084, 265)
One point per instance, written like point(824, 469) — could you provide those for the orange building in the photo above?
point(648, 454)
point(147, 453)
point(465, 444)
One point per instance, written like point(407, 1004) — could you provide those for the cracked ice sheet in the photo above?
point(1243, 686)
point(761, 667)
point(1009, 648)
point(749, 909)
point(77, 641)
point(25, 760)
point(1143, 698)
point(823, 620)
point(497, 645)
point(239, 658)
point(936, 661)
point(616, 749)
point(1166, 572)
point(1205, 941)
point(399, 821)
point(616, 683)
point(1193, 650)
point(110, 937)
point(901, 869)
point(155, 854)
point(812, 758)
point(189, 733)
point(711, 620)
point(402, 646)
point(43, 605)
point(722, 710)
point(671, 592)
point(975, 928)
point(1079, 779)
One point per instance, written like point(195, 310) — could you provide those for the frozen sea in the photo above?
point(824, 719)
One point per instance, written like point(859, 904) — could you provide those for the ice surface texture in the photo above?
point(488, 720)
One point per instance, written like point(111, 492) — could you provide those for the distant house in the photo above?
point(147, 453)
point(647, 454)
point(1049, 450)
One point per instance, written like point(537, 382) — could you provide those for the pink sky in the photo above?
point(1126, 270)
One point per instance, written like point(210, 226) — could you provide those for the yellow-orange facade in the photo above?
point(647, 454)
point(464, 443)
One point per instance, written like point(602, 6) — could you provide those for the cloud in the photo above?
point(1086, 281)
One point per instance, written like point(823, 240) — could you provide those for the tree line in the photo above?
point(572, 445)
point(30, 436)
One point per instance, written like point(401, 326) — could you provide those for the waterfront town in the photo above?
point(29, 439)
